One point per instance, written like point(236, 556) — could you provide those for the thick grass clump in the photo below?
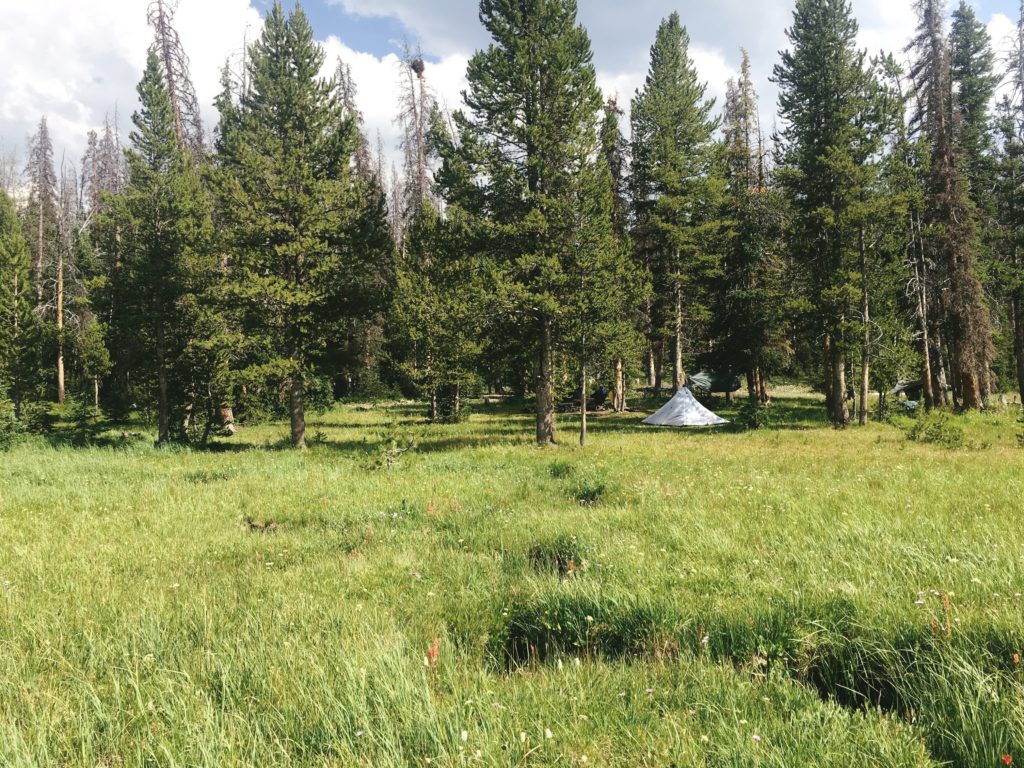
point(787, 596)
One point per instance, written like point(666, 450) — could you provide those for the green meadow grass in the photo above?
point(786, 597)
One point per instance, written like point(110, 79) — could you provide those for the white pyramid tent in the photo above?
point(683, 410)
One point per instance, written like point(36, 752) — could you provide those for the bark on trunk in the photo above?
point(227, 416)
point(583, 406)
point(680, 373)
point(163, 394)
point(96, 395)
point(619, 404)
point(545, 386)
point(651, 374)
point(921, 278)
point(60, 326)
point(839, 413)
point(1018, 341)
point(865, 351)
point(38, 264)
point(940, 384)
point(297, 409)
point(659, 366)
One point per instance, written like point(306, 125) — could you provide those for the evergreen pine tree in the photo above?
point(951, 216)
point(18, 337)
point(532, 106)
point(972, 68)
point(825, 103)
point(41, 218)
point(751, 313)
point(164, 217)
point(677, 191)
point(286, 194)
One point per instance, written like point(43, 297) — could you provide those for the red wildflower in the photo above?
point(1007, 759)
point(433, 650)
point(572, 564)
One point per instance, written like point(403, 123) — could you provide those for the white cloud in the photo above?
point(77, 61)
point(74, 60)
point(377, 82)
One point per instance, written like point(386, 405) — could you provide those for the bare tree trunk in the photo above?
point(651, 373)
point(60, 324)
point(433, 404)
point(921, 285)
point(1017, 311)
point(583, 405)
point(545, 385)
point(38, 265)
point(865, 351)
point(619, 403)
point(96, 394)
point(297, 409)
point(680, 373)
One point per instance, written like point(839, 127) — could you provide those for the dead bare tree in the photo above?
point(188, 124)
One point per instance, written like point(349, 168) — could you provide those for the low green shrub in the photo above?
point(11, 429)
point(753, 414)
point(937, 429)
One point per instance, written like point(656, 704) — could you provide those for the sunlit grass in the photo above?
point(792, 596)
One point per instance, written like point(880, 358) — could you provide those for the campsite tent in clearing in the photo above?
point(683, 410)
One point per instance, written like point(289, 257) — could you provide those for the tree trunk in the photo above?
point(1017, 312)
point(297, 409)
point(163, 394)
point(940, 384)
point(659, 366)
point(865, 351)
point(60, 325)
point(762, 386)
point(545, 385)
point(921, 277)
point(619, 403)
point(651, 374)
point(839, 413)
point(752, 389)
point(583, 406)
point(680, 373)
point(227, 416)
point(96, 394)
point(38, 265)
point(433, 404)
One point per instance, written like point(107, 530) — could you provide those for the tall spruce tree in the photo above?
point(18, 337)
point(750, 316)
point(287, 196)
point(951, 216)
point(532, 106)
point(41, 218)
point(824, 97)
point(677, 191)
point(972, 69)
point(163, 216)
